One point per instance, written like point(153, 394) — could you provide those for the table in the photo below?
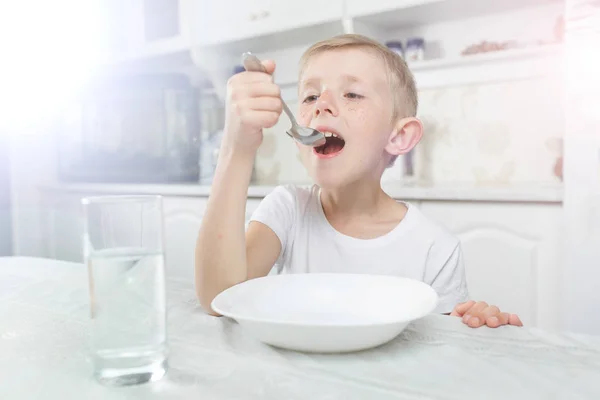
point(44, 321)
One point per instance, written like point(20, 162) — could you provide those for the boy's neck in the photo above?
point(361, 211)
point(354, 200)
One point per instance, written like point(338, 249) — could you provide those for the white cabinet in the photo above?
point(512, 253)
point(251, 205)
point(357, 8)
point(146, 28)
point(182, 219)
point(220, 22)
point(223, 21)
point(63, 226)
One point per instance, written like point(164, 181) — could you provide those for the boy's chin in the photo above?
point(331, 180)
point(327, 180)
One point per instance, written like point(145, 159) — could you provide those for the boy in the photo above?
point(363, 97)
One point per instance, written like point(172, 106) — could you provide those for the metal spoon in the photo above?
point(303, 135)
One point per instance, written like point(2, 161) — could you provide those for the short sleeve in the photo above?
point(278, 211)
point(450, 283)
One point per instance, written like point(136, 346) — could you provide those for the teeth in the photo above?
point(329, 134)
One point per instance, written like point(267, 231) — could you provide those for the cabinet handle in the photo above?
point(260, 15)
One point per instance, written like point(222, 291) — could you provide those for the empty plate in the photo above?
point(326, 312)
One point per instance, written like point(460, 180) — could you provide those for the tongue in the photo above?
point(333, 146)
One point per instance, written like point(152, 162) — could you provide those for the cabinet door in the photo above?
point(145, 28)
point(358, 8)
point(287, 15)
point(228, 20)
point(512, 254)
point(182, 218)
point(215, 22)
point(63, 226)
point(251, 205)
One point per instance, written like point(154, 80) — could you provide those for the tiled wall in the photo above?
point(500, 133)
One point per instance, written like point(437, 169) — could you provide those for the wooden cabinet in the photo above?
point(512, 254)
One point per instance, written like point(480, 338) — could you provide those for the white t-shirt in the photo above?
point(416, 248)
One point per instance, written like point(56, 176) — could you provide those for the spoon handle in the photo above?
point(252, 63)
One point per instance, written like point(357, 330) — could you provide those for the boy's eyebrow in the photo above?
point(315, 81)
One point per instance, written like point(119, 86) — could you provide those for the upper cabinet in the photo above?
point(142, 29)
point(459, 42)
point(357, 8)
point(260, 24)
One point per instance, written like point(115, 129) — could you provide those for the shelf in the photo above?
point(391, 16)
point(482, 68)
point(488, 57)
point(417, 191)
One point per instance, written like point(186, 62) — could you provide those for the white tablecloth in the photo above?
point(44, 322)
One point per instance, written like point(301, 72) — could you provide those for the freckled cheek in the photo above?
point(304, 115)
point(359, 114)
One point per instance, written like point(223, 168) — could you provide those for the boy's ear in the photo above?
point(404, 137)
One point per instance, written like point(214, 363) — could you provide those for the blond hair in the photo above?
point(402, 82)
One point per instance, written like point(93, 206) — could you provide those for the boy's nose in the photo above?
point(326, 104)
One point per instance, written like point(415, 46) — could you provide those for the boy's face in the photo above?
point(346, 92)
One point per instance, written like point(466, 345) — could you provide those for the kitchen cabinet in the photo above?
point(512, 249)
point(357, 8)
point(182, 218)
point(512, 254)
point(219, 22)
point(62, 224)
point(63, 228)
point(142, 29)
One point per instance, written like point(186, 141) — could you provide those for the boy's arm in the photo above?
point(224, 256)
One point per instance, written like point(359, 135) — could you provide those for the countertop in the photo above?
point(44, 342)
point(414, 191)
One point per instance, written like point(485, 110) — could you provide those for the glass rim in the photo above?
point(121, 198)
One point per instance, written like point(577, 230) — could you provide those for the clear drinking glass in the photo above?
point(123, 249)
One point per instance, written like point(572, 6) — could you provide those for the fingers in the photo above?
point(262, 89)
point(461, 308)
point(514, 320)
point(261, 104)
point(497, 320)
point(259, 119)
point(481, 314)
point(474, 316)
point(269, 66)
point(249, 77)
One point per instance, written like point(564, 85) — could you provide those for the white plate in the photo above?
point(326, 312)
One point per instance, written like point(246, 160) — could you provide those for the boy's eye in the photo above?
point(308, 99)
point(354, 96)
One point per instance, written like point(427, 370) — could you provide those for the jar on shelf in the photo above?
point(415, 49)
point(396, 47)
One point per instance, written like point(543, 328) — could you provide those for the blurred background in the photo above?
point(115, 97)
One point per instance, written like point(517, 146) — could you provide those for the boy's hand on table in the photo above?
point(476, 314)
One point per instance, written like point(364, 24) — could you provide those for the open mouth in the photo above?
point(333, 144)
